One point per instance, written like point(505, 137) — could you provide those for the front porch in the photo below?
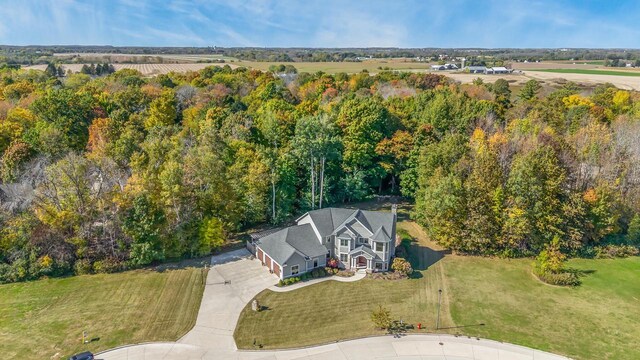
point(363, 258)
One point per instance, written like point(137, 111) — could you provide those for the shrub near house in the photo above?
point(402, 266)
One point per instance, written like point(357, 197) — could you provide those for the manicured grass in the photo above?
point(40, 319)
point(597, 320)
point(590, 72)
point(332, 310)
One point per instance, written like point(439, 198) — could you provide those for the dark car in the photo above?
point(87, 355)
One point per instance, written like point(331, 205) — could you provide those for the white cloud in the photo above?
point(358, 30)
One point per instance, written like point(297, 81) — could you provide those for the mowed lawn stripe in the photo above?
point(43, 318)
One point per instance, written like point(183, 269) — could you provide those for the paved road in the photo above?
point(410, 347)
point(212, 336)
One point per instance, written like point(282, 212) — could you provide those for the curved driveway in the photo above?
point(234, 279)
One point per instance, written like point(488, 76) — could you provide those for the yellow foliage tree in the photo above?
point(576, 100)
point(162, 111)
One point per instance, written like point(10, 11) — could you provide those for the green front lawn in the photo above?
point(598, 320)
point(44, 319)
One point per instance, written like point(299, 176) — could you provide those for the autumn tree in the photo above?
point(364, 123)
point(212, 236)
point(162, 111)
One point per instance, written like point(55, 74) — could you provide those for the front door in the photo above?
point(361, 262)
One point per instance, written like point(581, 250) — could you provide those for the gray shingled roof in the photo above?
point(364, 249)
point(381, 235)
point(327, 219)
point(284, 243)
point(372, 220)
point(259, 235)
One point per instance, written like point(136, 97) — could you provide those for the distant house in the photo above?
point(477, 69)
point(359, 239)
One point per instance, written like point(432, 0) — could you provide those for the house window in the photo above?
point(361, 241)
point(378, 266)
point(344, 257)
point(315, 263)
point(344, 242)
point(295, 270)
point(379, 247)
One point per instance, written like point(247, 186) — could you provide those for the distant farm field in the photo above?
point(558, 65)
point(371, 66)
point(145, 69)
point(114, 57)
point(44, 319)
point(551, 73)
point(591, 72)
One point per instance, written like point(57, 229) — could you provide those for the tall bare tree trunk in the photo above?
point(313, 187)
point(273, 182)
point(321, 180)
point(273, 196)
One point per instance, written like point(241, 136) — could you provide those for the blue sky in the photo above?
point(325, 23)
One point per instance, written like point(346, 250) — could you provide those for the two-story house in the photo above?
point(359, 239)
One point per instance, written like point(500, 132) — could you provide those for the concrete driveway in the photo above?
point(234, 279)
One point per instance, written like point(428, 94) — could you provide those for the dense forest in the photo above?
point(103, 173)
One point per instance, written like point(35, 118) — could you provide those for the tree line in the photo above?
point(102, 174)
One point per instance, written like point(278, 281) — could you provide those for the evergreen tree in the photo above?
point(530, 90)
point(51, 70)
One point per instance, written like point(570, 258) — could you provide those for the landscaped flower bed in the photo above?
point(314, 274)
